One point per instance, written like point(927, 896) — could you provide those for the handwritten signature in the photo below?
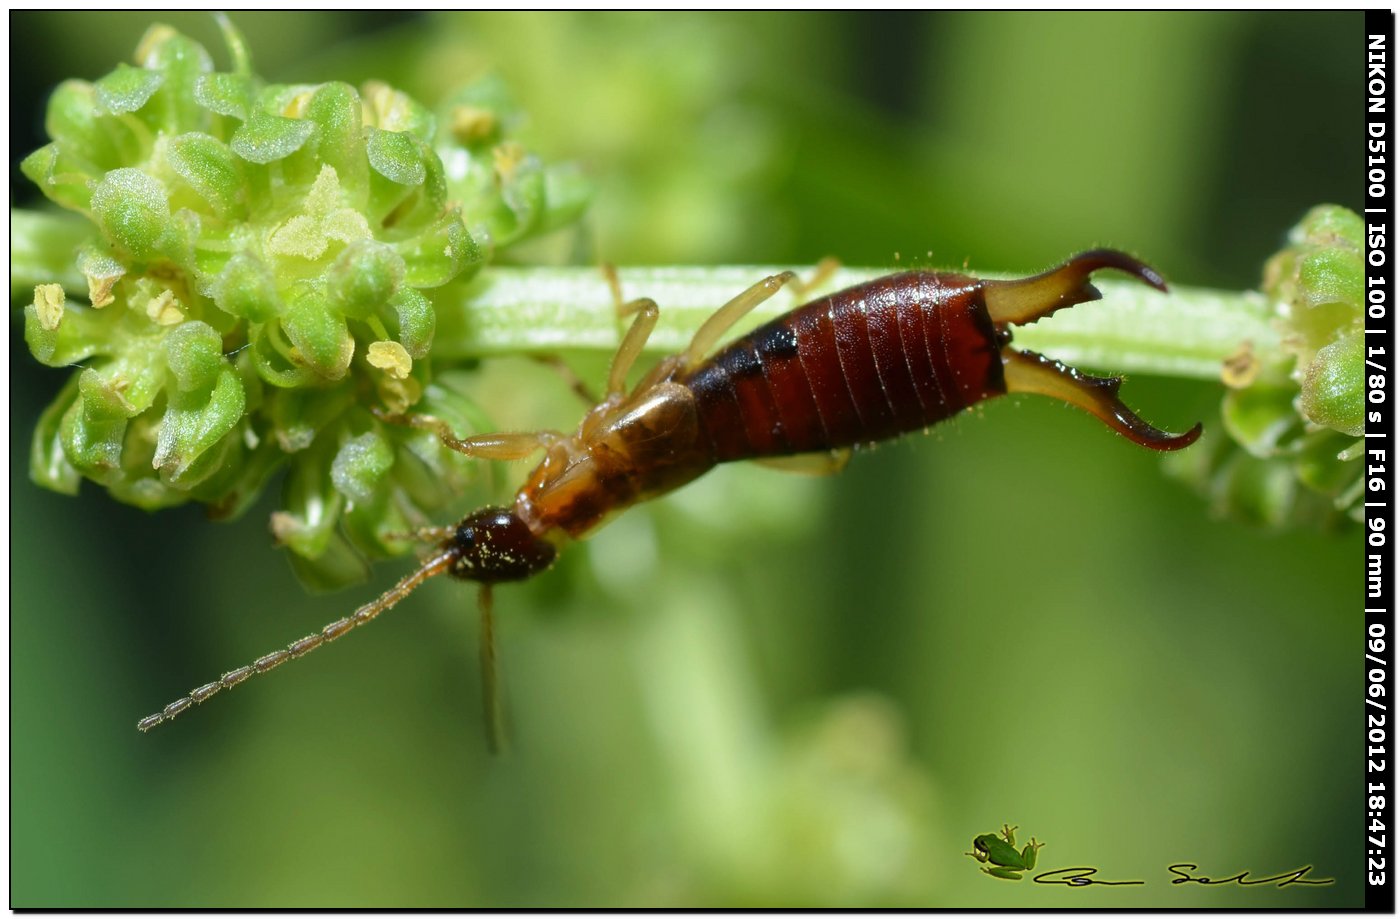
point(1084, 877)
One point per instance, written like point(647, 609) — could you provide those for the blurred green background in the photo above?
point(766, 689)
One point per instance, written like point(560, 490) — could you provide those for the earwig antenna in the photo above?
point(433, 566)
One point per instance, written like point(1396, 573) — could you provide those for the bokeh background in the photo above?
point(766, 689)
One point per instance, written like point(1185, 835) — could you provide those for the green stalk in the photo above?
point(43, 247)
point(1186, 333)
point(1133, 329)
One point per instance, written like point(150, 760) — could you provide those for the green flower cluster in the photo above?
point(1297, 415)
point(265, 268)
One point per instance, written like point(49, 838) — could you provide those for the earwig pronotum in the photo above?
point(868, 363)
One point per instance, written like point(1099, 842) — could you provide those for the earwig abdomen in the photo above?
point(871, 362)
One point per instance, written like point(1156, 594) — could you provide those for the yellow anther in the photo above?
point(164, 309)
point(100, 290)
point(1241, 368)
point(508, 157)
point(397, 395)
point(48, 304)
point(471, 124)
point(391, 357)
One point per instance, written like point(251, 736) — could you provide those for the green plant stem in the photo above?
point(43, 250)
point(1185, 333)
point(1134, 329)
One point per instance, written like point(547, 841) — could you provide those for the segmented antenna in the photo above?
point(433, 566)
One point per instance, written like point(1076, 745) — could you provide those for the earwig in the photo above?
point(866, 364)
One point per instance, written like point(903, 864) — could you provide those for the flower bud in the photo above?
point(413, 321)
point(1293, 458)
point(94, 426)
point(265, 138)
point(442, 253)
point(336, 111)
point(229, 94)
point(61, 177)
point(247, 289)
point(133, 211)
point(364, 277)
point(192, 352)
point(395, 156)
point(74, 122)
point(127, 89)
point(1333, 392)
point(361, 465)
point(181, 61)
point(194, 422)
point(318, 332)
point(209, 168)
point(250, 240)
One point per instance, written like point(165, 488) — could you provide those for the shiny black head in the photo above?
point(493, 545)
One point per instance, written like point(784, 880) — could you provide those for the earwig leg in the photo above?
point(820, 275)
point(646, 311)
point(615, 285)
point(1024, 301)
point(827, 463)
point(515, 445)
point(1027, 371)
point(632, 343)
point(490, 683)
point(576, 383)
point(725, 317)
point(424, 534)
point(509, 445)
point(623, 308)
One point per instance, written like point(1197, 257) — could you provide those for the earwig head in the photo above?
point(1025, 301)
point(494, 545)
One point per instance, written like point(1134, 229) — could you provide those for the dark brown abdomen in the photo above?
point(870, 362)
